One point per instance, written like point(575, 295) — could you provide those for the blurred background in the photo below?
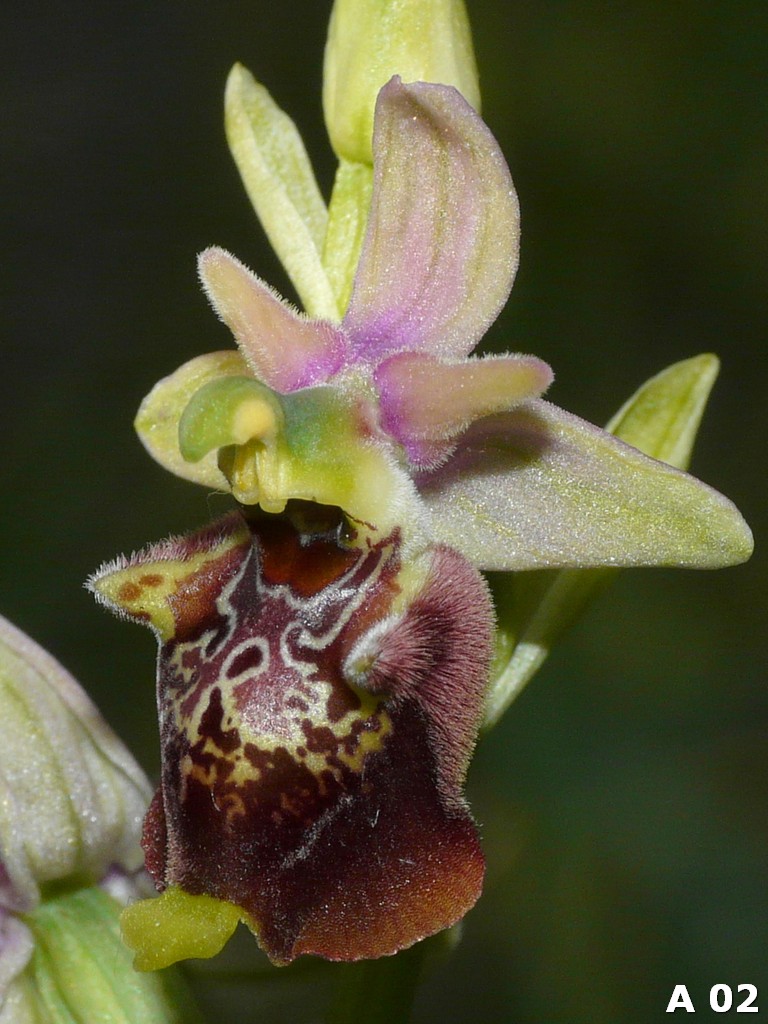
point(623, 799)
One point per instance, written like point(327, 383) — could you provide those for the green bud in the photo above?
point(71, 796)
point(369, 41)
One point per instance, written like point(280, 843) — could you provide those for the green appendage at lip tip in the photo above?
point(177, 926)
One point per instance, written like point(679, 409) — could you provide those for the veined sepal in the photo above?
point(280, 182)
point(661, 419)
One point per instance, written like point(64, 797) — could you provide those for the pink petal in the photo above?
point(283, 348)
point(441, 248)
point(425, 403)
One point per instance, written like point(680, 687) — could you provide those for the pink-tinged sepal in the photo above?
point(539, 488)
point(282, 347)
point(319, 702)
point(441, 247)
point(426, 403)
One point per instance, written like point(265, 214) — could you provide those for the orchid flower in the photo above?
point(70, 820)
point(325, 651)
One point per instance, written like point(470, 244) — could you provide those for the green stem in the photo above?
point(377, 991)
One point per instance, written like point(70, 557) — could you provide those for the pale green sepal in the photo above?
point(661, 419)
point(539, 488)
point(369, 41)
point(157, 421)
point(82, 972)
point(347, 221)
point(280, 183)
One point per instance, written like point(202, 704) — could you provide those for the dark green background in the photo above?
point(623, 799)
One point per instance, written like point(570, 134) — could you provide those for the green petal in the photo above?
point(661, 419)
point(280, 183)
point(157, 421)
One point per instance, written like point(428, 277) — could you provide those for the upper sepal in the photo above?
point(540, 488)
point(441, 247)
point(280, 183)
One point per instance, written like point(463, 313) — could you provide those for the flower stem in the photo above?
point(377, 991)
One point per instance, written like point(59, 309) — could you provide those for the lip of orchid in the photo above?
point(320, 696)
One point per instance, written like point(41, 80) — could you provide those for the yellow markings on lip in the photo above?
point(230, 802)
point(142, 590)
point(411, 580)
point(368, 741)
